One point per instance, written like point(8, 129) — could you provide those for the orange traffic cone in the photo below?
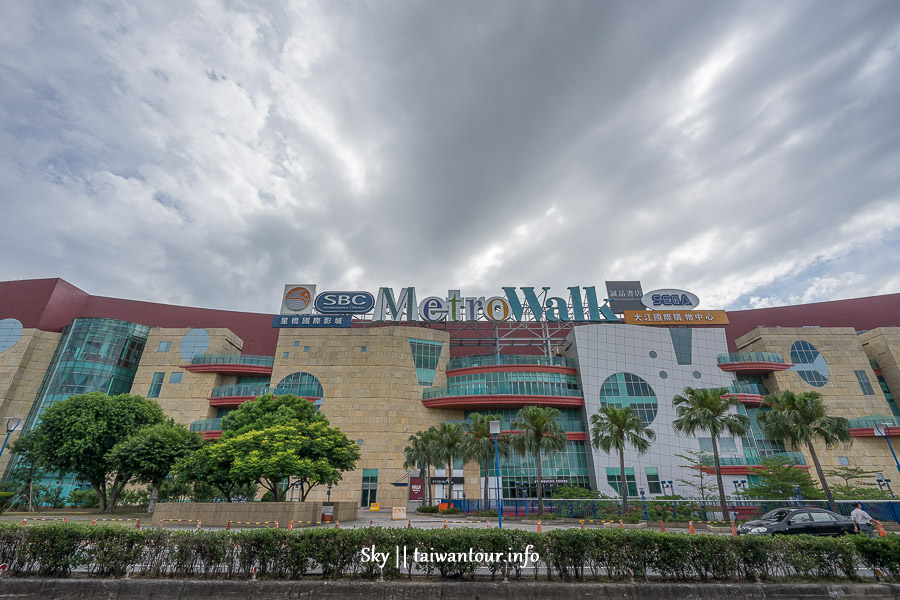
point(445, 524)
point(409, 524)
point(370, 523)
point(228, 526)
point(291, 525)
point(621, 524)
point(691, 528)
point(94, 522)
point(733, 529)
point(24, 521)
point(539, 526)
point(138, 524)
point(582, 523)
point(65, 520)
point(881, 530)
point(662, 526)
point(199, 525)
point(276, 524)
point(337, 524)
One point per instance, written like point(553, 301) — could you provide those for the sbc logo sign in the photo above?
point(344, 303)
point(668, 298)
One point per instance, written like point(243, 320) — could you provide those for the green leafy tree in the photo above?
point(210, 467)
point(705, 410)
point(75, 436)
point(779, 479)
point(151, 452)
point(267, 411)
point(450, 438)
point(856, 484)
point(310, 453)
point(26, 473)
point(539, 433)
point(614, 429)
point(700, 480)
point(852, 474)
point(478, 445)
point(421, 453)
point(801, 419)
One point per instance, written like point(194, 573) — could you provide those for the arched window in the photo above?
point(626, 389)
point(194, 343)
point(300, 384)
point(10, 332)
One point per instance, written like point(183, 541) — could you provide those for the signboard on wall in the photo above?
point(669, 318)
point(624, 295)
point(416, 491)
point(297, 299)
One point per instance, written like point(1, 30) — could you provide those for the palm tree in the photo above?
point(706, 410)
point(613, 428)
point(449, 441)
point(478, 445)
point(801, 418)
point(420, 454)
point(539, 433)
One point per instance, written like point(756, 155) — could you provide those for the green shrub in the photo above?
point(86, 498)
point(427, 509)
point(452, 510)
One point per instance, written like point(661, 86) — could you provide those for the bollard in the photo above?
point(539, 526)
point(137, 525)
point(733, 529)
point(662, 526)
point(691, 528)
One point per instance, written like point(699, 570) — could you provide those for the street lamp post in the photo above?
point(12, 424)
point(495, 431)
point(884, 430)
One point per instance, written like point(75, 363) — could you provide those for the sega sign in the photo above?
point(344, 303)
point(668, 298)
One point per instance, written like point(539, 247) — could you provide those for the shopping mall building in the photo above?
point(385, 365)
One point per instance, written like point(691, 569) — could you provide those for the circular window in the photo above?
point(696, 374)
point(10, 332)
point(359, 442)
point(194, 343)
point(625, 389)
point(809, 363)
point(653, 354)
point(300, 384)
point(663, 375)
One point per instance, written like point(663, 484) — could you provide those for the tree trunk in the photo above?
point(487, 489)
point(623, 482)
point(101, 494)
point(154, 496)
point(429, 493)
point(540, 485)
point(449, 487)
point(723, 503)
point(825, 488)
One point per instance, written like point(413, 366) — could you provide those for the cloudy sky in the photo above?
point(207, 153)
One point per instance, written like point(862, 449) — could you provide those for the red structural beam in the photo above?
point(229, 369)
point(754, 368)
point(512, 369)
point(503, 401)
point(746, 399)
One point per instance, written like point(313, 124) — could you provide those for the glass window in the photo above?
point(300, 384)
point(306, 348)
point(363, 349)
point(864, 384)
point(175, 377)
point(369, 487)
point(164, 347)
point(822, 517)
point(726, 445)
point(194, 343)
point(613, 479)
point(843, 461)
point(10, 332)
point(626, 389)
point(653, 485)
point(286, 355)
point(296, 343)
point(809, 363)
point(156, 385)
point(426, 355)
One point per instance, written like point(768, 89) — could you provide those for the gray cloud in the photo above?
point(208, 153)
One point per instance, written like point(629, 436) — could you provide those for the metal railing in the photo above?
point(521, 388)
point(873, 420)
point(488, 360)
point(651, 509)
point(748, 388)
point(794, 457)
point(260, 389)
point(233, 359)
point(206, 425)
point(741, 357)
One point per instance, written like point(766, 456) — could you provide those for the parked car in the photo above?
point(790, 521)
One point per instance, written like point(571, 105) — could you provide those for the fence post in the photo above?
point(594, 504)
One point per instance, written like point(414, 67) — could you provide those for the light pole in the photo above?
point(883, 482)
point(884, 430)
point(495, 431)
point(12, 424)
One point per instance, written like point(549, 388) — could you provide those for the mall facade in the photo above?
point(384, 368)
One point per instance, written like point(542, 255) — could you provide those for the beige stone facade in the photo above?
point(22, 370)
point(843, 395)
point(883, 346)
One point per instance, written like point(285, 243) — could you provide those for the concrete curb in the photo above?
point(135, 589)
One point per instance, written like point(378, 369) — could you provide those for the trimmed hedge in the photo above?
point(56, 550)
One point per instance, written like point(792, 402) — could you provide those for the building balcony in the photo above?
point(483, 401)
point(232, 396)
point(208, 428)
point(509, 364)
point(748, 394)
point(753, 363)
point(865, 426)
point(231, 364)
point(742, 465)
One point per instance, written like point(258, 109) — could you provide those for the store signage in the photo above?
point(345, 303)
point(670, 299)
point(624, 295)
point(297, 299)
point(312, 321)
point(676, 317)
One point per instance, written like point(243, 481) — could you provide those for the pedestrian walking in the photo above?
point(862, 521)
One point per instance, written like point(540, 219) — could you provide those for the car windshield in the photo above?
point(775, 515)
